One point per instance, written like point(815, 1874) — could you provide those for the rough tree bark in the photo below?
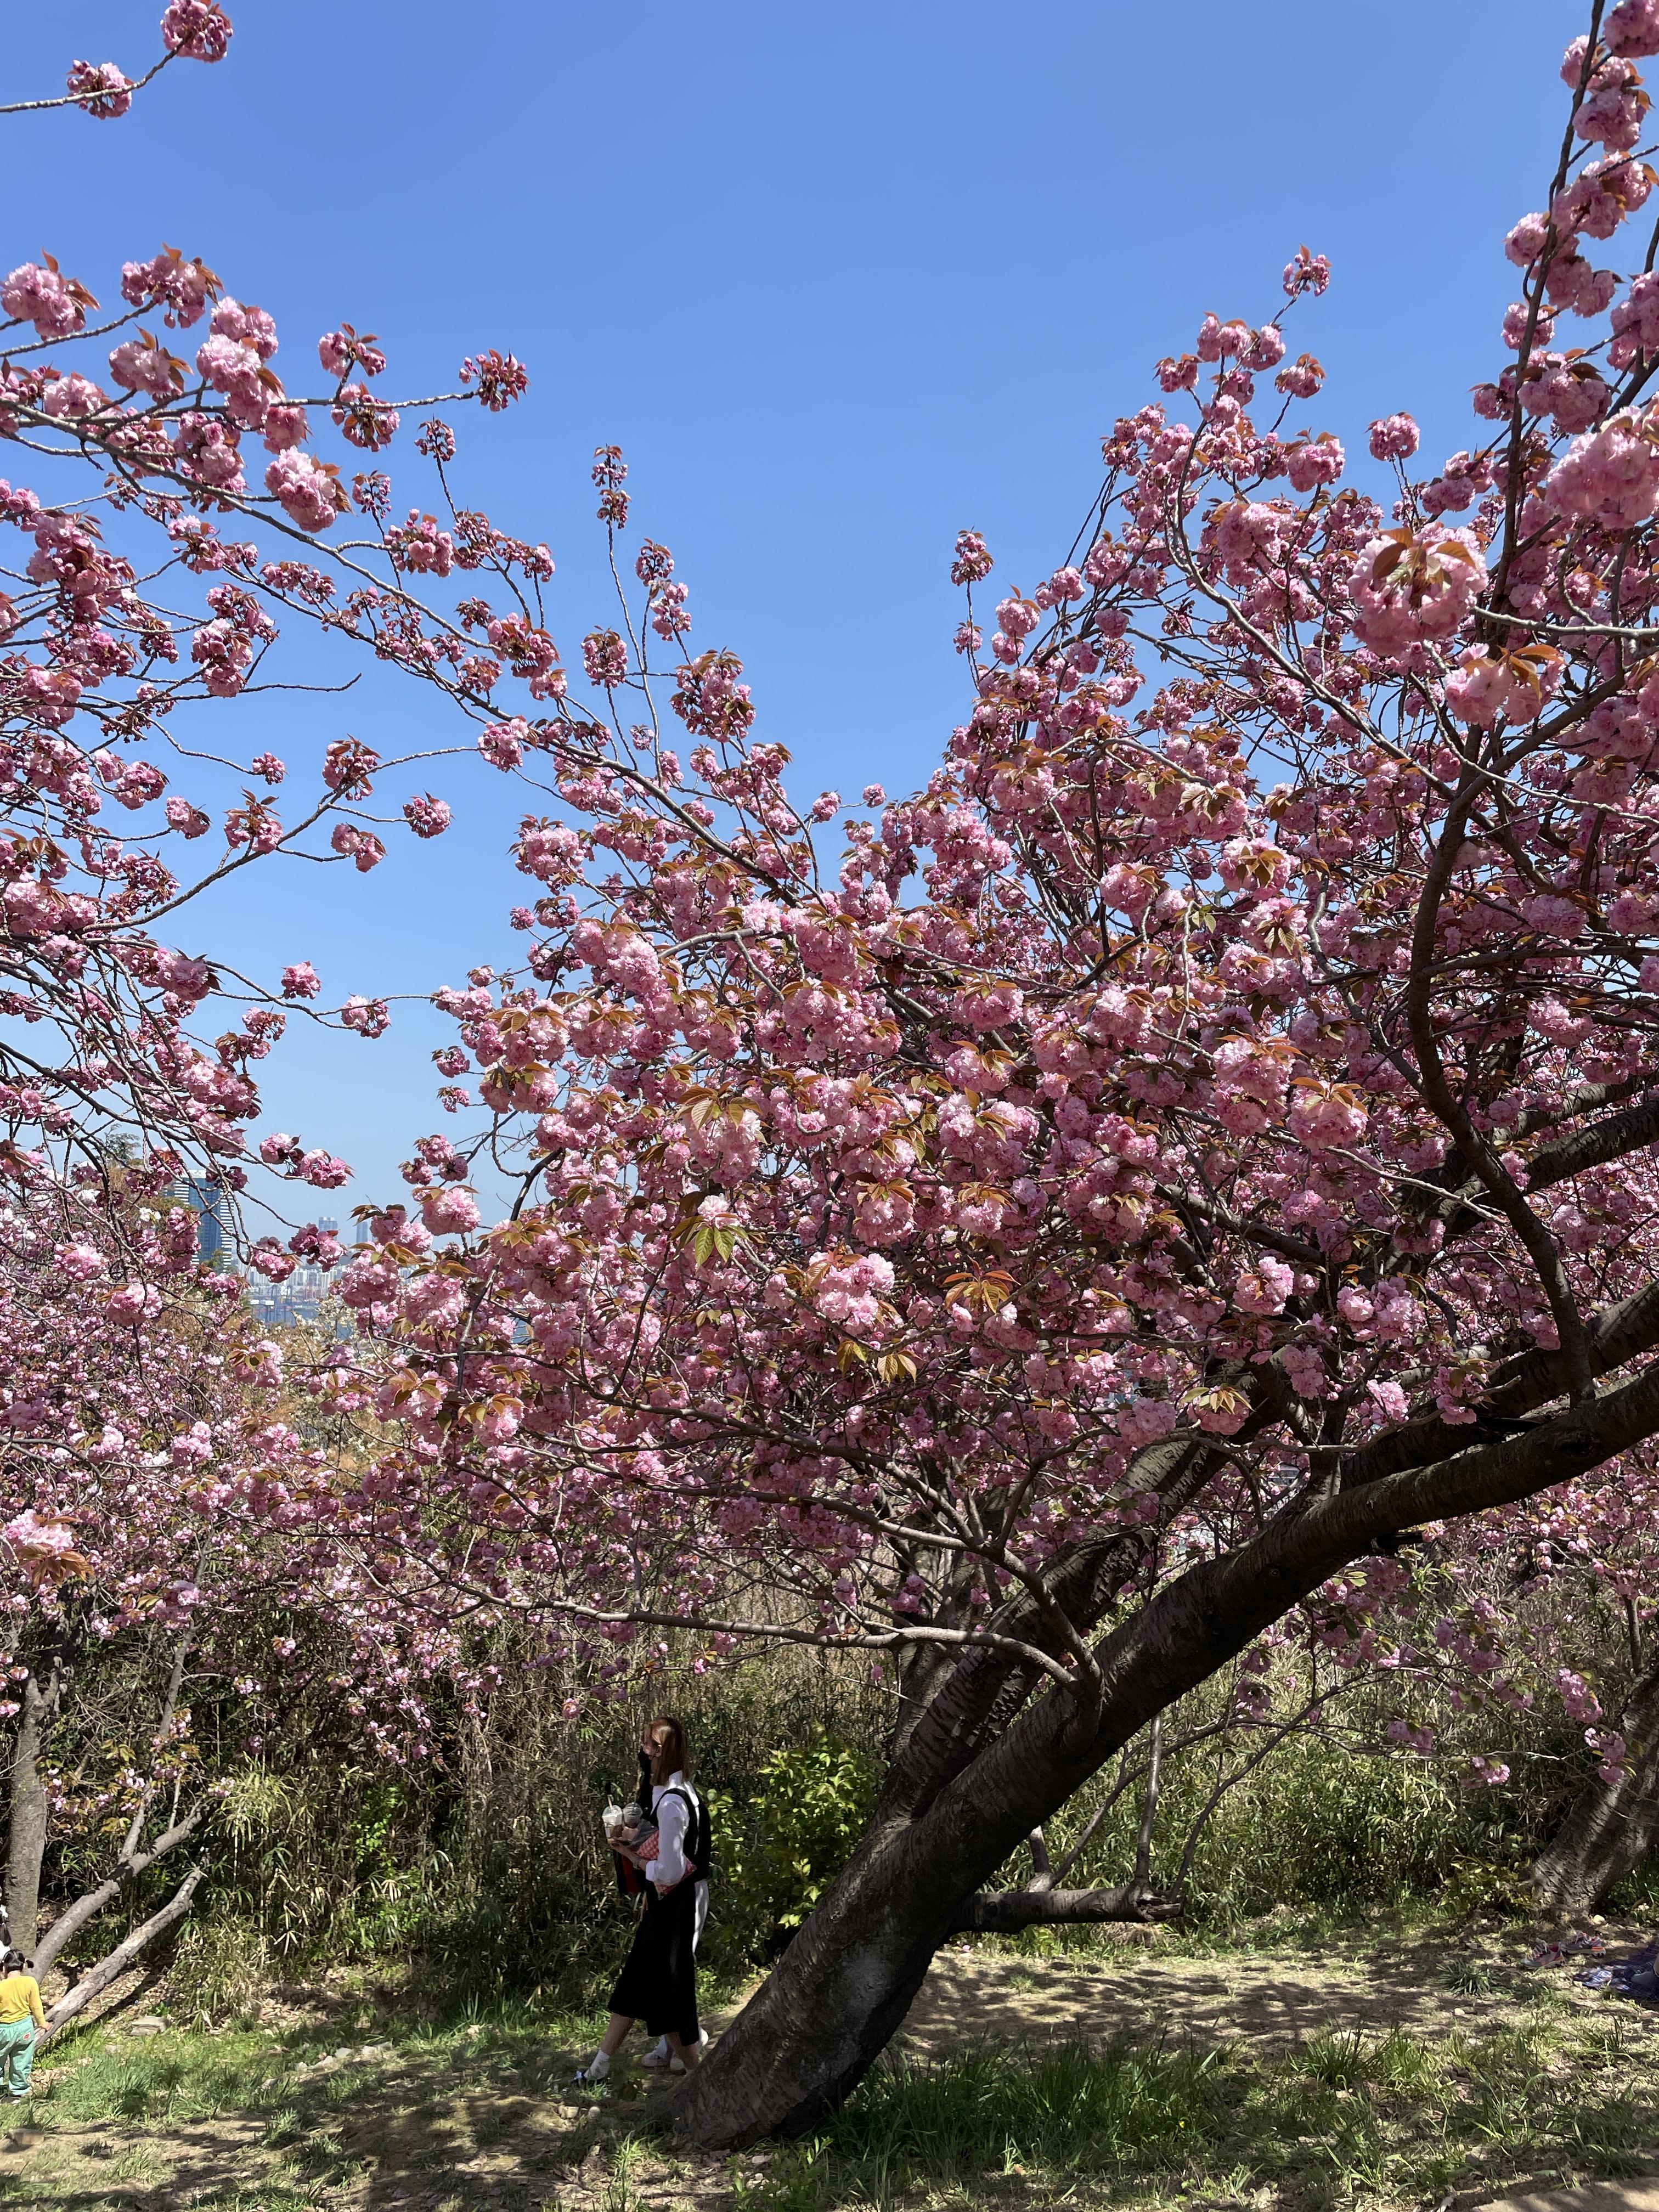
point(967, 1790)
point(1610, 1826)
point(40, 1702)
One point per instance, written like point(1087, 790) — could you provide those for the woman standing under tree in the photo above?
point(659, 1983)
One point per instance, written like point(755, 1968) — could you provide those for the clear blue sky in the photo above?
point(840, 279)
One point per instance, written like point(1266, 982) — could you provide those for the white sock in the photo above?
point(599, 2066)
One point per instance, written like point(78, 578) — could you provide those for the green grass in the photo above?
point(1347, 2118)
point(112, 2123)
point(1549, 2093)
point(280, 2084)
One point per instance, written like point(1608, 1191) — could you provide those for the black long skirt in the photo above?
point(659, 1981)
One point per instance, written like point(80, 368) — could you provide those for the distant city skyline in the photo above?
point(298, 1300)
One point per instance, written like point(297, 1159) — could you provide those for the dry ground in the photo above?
point(1142, 1988)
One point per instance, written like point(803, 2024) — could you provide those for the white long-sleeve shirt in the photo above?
point(673, 1819)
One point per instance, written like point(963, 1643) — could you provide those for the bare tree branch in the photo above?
point(110, 1969)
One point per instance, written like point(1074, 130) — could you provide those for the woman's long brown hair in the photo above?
point(671, 1751)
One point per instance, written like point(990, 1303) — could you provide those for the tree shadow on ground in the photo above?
point(387, 2139)
point(1416, 1984)
point(495, 2127)
point(88, 2169)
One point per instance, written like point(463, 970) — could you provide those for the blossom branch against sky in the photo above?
point(896, 380)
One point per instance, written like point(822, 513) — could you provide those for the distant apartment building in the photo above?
point(273, 1305)
point(210, 1205)
point(299, 1299)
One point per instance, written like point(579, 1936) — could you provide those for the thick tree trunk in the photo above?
point(848, 1979)
point(984, 1691)
point(1611, 1826)
point(846, 1982)
point(41, 1701)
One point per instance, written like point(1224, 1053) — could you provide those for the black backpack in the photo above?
point(698, 1837)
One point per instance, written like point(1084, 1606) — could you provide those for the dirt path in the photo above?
point(1272, 1998)
point(1596, 2196)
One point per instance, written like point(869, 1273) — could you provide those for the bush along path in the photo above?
point(1397, 2065)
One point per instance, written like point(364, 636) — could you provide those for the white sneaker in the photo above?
point(658, 2057)
point(677, 2064)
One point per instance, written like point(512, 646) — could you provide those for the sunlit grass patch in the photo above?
point(1346, 2117)
point(173, 2076)
point(1064, 2109)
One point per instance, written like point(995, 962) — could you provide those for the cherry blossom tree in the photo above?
point(1614, 1822)
point(1494, 1618)
point(135, 456)
point(133, 1368)
point(1538, 1613)
point(170, 1534)
point(1604, 1538)
point(1202, 1139)
point(143, 1491)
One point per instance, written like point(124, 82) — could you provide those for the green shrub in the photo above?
point(484, 1870)
point(779, 1850)
point(1342, 1824)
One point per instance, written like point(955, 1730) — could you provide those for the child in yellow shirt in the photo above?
point(21, 2020)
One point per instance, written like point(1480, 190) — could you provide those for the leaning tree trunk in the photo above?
point(136, 1857)
point(133, 1863)
point(97, 1980)
point(1611, 1826)
point(846, 1981)
point(844, 1985)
